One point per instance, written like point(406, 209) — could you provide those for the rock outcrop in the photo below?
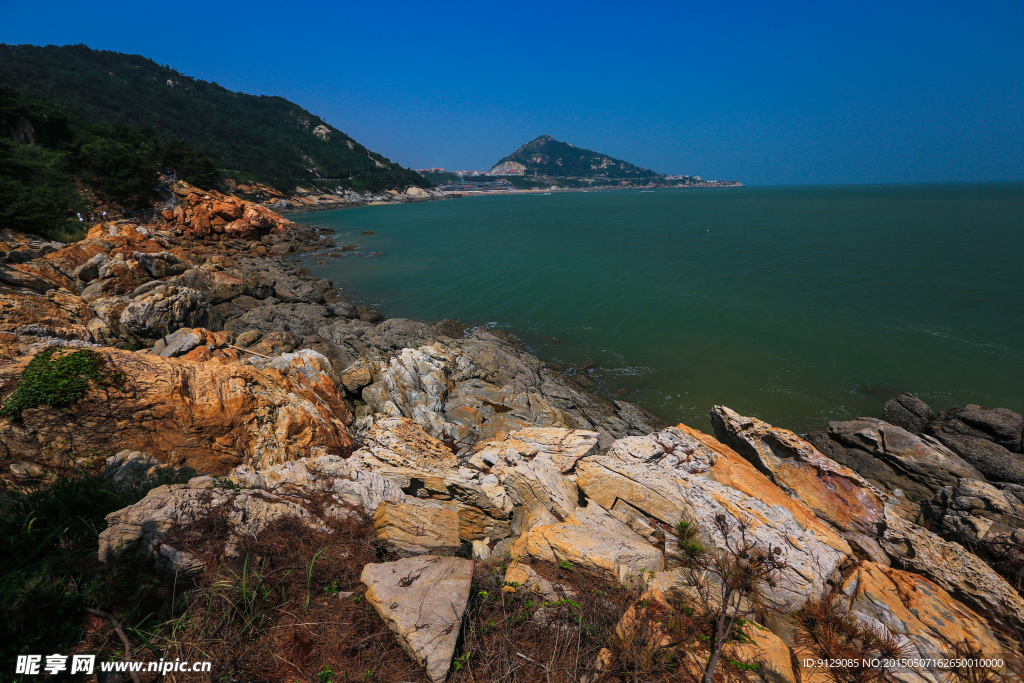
point(929, 621)
point(837, 494)
point(206, 415)
point(680, 473)
point(243, 504)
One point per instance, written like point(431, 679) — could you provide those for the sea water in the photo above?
point(798, 305)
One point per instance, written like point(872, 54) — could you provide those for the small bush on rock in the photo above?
point(828, 632)
point(726, 588)
point(58, 378)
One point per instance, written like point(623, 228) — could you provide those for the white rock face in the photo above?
point(422, 599)
point(672, 475)
point(250, 502)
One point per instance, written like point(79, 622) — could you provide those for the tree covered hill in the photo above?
point(546, 156)
point(267, 139)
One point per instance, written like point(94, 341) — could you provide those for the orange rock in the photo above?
point(928, 617)
point(836, 493)
point(209, 416)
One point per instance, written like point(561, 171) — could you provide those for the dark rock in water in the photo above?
point(349, 247)
point(995, 424)
point(367, 232)
point(909, 412)
point(585, 364)
point(994, 461)
point(450, 328)
point(369, 314)
point(584, 381)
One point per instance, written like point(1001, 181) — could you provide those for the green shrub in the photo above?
point(58, 378)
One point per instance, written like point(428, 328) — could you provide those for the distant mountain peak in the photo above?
point(547, 156)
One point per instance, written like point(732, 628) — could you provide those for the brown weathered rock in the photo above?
point(356, 376)
point(604, 547)
point(416, 527)
point(835, 493)
point(422, 599)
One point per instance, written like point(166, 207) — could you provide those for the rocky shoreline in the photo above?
point(467, 454)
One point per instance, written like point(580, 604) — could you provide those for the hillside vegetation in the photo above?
point(267, 139)
point(52, 166)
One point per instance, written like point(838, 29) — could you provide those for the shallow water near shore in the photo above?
point(797, 305)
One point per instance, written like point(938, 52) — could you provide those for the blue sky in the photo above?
point(766, 93)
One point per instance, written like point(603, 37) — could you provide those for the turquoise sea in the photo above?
point(795, 304)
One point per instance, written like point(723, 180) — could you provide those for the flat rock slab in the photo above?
point(422, 599)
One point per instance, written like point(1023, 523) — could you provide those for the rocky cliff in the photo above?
point(462, 451)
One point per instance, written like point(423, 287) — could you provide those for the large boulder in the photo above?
point(993, 460)
point(835, 493)
point(594, 541)
point(422, 600)
point(893, 458)
point(164, 309)
point(416, 527)
point(161, 264)
point(1000, 425)
point(909, 412)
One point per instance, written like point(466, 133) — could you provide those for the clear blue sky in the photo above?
point(766, 93)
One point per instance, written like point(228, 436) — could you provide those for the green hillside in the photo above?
point(267, 139)
point(545, 156)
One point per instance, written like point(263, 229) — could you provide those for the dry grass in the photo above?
point(275, 612)
point(524, 636)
